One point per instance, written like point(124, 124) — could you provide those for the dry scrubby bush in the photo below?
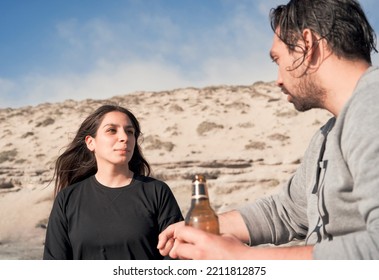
point(27, 134)
point(205, 127)
point(246, 125)
point(8, 155)
point(278, 136)
point(176, 108)
point(46, 122)
point(256, 145)
point(156, 144)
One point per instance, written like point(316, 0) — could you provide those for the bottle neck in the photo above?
point(199, 193)
point(199, 190)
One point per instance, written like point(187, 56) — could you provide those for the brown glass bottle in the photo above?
point(201, 215)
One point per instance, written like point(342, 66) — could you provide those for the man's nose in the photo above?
point(279, 80)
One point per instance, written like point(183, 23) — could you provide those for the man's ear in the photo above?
point(90, 142)
point(313, 47)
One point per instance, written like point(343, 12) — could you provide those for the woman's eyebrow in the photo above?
point(110, 124)
point(117, 125)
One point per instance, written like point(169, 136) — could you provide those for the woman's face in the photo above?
point(114, 141)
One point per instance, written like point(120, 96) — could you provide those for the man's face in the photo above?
point(294, 79)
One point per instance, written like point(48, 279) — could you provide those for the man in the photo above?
point(322, 49)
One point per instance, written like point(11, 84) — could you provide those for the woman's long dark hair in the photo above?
point(78, 163)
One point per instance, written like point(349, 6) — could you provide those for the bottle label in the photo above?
point(199, 191)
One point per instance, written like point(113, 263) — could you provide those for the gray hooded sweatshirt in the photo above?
point(332, 200)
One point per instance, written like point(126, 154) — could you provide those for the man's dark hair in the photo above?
point(342, 23)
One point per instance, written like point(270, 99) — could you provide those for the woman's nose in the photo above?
point(123, 137)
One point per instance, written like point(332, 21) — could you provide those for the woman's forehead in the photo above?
point(116, 117)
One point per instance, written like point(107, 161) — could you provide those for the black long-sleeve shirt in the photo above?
point(92, 221)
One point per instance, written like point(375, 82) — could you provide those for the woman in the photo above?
point(106, 206)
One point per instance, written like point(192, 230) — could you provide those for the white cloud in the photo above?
point(106, 81)
point(110, 78)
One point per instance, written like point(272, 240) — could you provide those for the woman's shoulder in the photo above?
point(151, 182)
point(148, 180)
point(74, 188)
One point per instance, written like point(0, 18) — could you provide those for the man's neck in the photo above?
point(340, 77)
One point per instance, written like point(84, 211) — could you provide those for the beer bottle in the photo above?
point(200, 214)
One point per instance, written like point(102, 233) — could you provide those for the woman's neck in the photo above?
point(114, 178)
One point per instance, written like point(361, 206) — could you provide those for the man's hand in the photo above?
point(166, 238)
point(186, 242)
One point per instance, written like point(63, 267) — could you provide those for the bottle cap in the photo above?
point(200, 178)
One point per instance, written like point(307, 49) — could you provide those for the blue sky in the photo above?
point(51, 51)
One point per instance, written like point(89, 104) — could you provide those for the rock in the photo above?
point(4, 184)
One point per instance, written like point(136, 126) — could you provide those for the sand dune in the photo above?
point(248, 140)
